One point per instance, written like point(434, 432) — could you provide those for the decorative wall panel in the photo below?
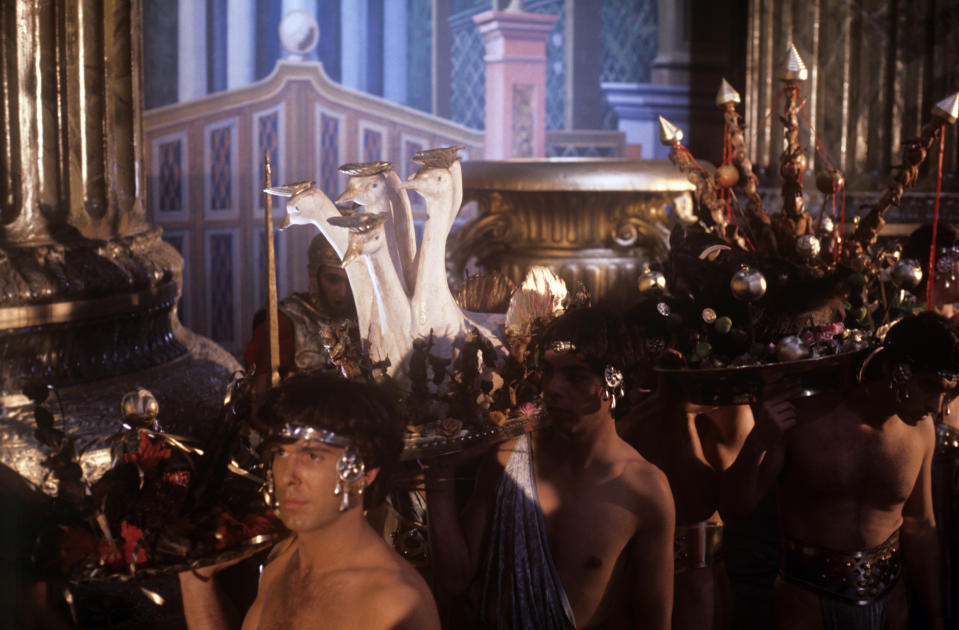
point(267, 131)
point(221, 177)
point(524, 120)
point(169, 182)
point(330, 131)
point(372, 142)
point(222, 280)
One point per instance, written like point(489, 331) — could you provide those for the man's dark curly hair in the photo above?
point(362, 412)
point(928, 342)
point(600, 335)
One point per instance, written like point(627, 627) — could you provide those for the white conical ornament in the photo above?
point(795, 69)
point(669, 134)
point(947, 109)
point(727, 94)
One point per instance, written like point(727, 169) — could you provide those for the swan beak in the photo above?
point(345, 197)
point(286, 222)
point(352, 253)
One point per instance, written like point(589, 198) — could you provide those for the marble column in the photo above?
point(88, 289)
point(394, 51)
point(515, 82)
point(240, 42)
point(353, 22)
point(191, 50)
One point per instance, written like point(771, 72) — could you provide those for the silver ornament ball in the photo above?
point(906, 273)
point(748, 284)
point(807, 246)
point(139, 408)
point(650, 280)
point(827, 226)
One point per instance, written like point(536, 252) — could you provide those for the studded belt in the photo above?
point(697, 546)
point(947, 438)
point(860, 577)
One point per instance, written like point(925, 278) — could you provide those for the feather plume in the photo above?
point(542, 295)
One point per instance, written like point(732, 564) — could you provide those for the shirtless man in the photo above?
point(333, 439)
point(568, 527)
point(854, 489)
point(693, 444)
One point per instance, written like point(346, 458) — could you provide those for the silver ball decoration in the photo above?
point(650, 280)
point(791, 348)
point(906, 274)
point(827, 226)
point(139, 408)
point(808, 246)
point(748, 284)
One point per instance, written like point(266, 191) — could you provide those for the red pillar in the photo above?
point(515, 82)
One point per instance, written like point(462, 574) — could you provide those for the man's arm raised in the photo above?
point(652, 554)
point(456, 536)
point(760, 460)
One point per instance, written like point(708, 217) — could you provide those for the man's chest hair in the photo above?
point(302, 598)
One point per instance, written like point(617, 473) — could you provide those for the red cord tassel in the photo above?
point(930, 276)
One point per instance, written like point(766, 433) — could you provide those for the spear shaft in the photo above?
point(272, 313)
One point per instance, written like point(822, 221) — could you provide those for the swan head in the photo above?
point(367, 184)
point(301, 198)
point(430, 182)
point(366, 233)
point(364, 190)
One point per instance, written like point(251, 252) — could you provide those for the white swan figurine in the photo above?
point(376, 186)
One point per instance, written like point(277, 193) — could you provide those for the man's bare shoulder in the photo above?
point(278, 558)
point(645, 480)
point(397, 597)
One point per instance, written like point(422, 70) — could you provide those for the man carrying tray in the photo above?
point(333, 439)
point(854, 488)
point(568, 527)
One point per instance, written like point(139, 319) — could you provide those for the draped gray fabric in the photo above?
point(840, 615)
point(521, 586)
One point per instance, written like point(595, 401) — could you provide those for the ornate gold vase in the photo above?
point(595, 221)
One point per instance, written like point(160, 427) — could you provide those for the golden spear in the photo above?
point(271, 302)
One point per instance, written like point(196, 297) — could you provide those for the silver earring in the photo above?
point(350, 476)
point(269, 491)
point(613, 380)
point(897, 381)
